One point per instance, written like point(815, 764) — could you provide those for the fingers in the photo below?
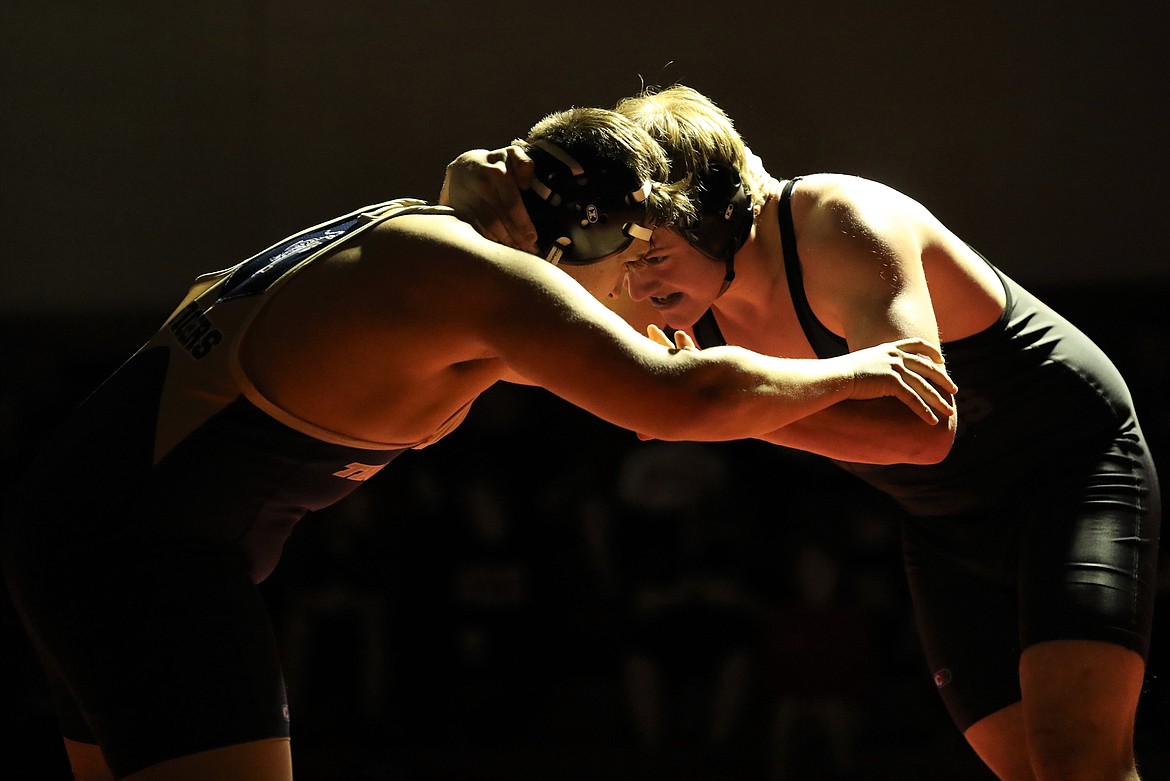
point(922, 378)
point(769, 185)
point(512, 218)
point(657, 335)
point(927, 360)
point(920, 346)
point(925, 399)
point(907, 395)
point(899, 370)
point(520, 165)
point(934, 373)
point(484, 187)
point(683, 341)
point(771, 188)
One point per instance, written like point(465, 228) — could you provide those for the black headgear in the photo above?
point(584, 209)
point(725, 216)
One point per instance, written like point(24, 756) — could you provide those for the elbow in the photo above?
point(931, 446)
point(932, 455)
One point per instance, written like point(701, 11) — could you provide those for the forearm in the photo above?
point(715, 395)
point(555, 335)
point(873, 431)
point(728, 393)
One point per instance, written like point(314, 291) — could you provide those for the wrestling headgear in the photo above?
point(725, 216)
point(583, 209)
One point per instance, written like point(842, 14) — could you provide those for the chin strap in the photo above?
point(729, 277)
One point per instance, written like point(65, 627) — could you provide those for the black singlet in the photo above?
point(1042, 523)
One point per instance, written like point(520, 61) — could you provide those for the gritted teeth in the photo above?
point(664, 301)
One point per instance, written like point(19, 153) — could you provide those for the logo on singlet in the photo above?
point(195, 331)
point(301, 246)
point(358, 472)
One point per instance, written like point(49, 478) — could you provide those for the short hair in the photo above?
point(612, 138)
point(694, 132)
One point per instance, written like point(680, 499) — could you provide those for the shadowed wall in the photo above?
point(145, 142)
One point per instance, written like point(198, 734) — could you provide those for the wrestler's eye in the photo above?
point(644, 261)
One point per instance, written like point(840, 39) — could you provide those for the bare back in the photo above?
point(371, 341)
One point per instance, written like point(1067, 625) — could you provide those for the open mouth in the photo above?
point(662, 302)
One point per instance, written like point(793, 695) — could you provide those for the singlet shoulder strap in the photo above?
point(824, 342)
point(706, 331)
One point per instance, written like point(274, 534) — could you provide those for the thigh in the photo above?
point(1089, 552)
point(261, 760)
point(1074, 558)
point(1080, 700)
point(999, 741)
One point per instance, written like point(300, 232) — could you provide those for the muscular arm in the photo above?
point(874, 431)
point(861, 247)
point(863, 274)
point(494, 302)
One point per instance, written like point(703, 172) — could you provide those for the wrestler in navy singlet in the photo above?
point(165, 497)
point(1042, 523)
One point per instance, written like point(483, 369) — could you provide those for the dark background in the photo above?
point(476, 612)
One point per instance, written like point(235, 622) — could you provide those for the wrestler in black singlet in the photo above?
point(1042, 522)
point(138, 536)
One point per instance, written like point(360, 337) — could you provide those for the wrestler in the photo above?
point(1032, 518)
point(281, 384)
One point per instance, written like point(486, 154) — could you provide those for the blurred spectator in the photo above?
point(821, 672)
point(693, 619)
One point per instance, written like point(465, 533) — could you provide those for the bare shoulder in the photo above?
point(423, 241)
point(424, 267)
point(832, 207)
point(437, 272)
point(440, 250)
point(861, 246)
point(851, 227)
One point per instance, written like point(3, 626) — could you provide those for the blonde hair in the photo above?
point(695, 133)
point(613, 138)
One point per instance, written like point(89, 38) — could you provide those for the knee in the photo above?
point(1080, 698)
point(1064, 770)
point(1075, 755)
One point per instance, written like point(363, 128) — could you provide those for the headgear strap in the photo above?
point(583, 208)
